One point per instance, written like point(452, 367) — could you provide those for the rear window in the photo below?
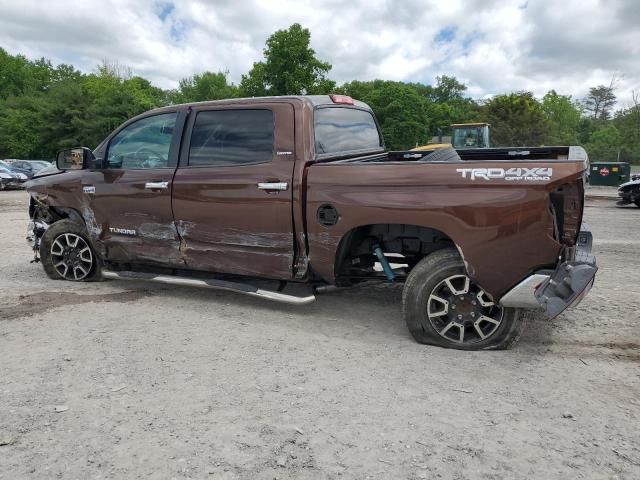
point(341, 130)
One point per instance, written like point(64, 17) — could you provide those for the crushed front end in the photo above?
point(40, 218)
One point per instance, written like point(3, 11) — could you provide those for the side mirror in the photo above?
point(74, 158)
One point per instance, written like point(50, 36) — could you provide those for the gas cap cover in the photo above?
point(327, 215)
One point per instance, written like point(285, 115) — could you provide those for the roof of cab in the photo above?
point(313, 100)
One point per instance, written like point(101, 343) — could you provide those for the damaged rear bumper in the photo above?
point(563, 288)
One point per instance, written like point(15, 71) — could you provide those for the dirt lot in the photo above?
point(164, 382)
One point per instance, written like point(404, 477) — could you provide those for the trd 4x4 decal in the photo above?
point(535, 174)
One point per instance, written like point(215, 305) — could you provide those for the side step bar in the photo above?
point(245, 288)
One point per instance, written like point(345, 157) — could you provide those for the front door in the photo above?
point(128, 201)
point(232, 193)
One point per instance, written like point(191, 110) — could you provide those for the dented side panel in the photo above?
point(130, 222)
point(229, 225)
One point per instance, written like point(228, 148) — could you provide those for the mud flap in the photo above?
point(566, 287)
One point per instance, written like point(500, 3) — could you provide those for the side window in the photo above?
point(143, 144)
point(232, 137)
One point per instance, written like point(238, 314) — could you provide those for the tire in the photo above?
point(448, 154)
point(637, 202)
point(485, 326)
point(57, 246)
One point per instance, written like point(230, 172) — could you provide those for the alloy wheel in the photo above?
point(462, 312)
point(72, 256)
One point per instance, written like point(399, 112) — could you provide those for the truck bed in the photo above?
point(552, 153)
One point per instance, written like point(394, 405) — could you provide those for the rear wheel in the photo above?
point(66, 253)
point(443, 306)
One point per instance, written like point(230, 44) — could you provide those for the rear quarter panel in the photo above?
point(503, 227)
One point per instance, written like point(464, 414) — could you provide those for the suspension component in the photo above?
point(385, 264)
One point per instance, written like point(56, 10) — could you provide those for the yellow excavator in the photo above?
point(463, 135)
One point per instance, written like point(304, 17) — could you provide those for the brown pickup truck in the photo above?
point(246, 193)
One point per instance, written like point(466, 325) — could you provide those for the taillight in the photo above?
point(567, 204)
point(344, 99)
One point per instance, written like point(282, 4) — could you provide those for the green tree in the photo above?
point(517, 119)
point(290, 67)
point(399, 108)
point(600, 101)
point(604, 144)
point(563, 116)
point(22, 126)
point(628, 124)
point(205, 86)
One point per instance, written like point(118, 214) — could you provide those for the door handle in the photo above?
point(156, 185)
point(273, 186)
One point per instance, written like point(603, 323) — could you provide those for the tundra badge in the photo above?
point(122, 231)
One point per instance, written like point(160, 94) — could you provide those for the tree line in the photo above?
point(44, 108)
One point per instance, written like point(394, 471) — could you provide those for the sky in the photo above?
point(492, 46)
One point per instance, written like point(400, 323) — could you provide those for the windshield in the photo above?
point(469, 137)
point(344, 130)
point(37, 166)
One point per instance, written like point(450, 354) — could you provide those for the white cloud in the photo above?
point(494, 46)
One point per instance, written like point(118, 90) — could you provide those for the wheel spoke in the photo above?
point(82, 270)
point(455, 290)
point(446, 329)
point(461, 327)
point(60, 249)
point(489, 319)
point(484, 300)
point(479, 330)
point(66, 269)
point(74, 239)
point(85, 255)
point(445, 306)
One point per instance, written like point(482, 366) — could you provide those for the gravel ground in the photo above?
point(135, 380)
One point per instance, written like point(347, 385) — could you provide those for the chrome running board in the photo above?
point(244, 288)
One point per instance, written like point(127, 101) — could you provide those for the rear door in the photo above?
point(128, 201)
point(232, 193)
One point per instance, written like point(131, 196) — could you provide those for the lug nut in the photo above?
point(473, 314)
point(461, 297)
point(453, 307)
point(473, 302)
point(459, 317)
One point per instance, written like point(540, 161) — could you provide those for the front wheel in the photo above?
point(442, 306)
point(66, 253)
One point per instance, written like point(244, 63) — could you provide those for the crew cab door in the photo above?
point(128, 200)
point(232, 193)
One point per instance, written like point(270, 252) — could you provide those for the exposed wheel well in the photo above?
point(355, 258)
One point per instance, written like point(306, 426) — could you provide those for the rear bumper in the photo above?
point(563, 288)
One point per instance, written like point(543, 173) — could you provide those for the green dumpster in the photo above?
point(609, 173)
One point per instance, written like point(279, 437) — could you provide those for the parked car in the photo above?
point(228, 194)
point(9, 179)
point(30, 167)
point(21, 174)
point(629, 192)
